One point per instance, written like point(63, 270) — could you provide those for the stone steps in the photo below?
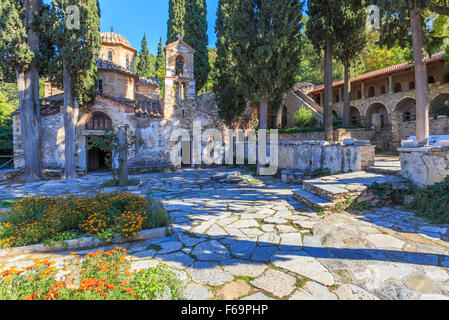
point(326, 193)
point(313, 200)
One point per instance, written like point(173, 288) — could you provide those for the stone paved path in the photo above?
point(254, 241)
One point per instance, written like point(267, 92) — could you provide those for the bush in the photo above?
point(98, 276)
point(433, 202)
point(48, 219)
point(305, 118)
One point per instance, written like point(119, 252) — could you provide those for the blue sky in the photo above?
point(133, 18)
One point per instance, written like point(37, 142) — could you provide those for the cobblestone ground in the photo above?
point(254, 241)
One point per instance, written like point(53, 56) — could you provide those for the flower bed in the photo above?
point(98, 276)
point(48, 220)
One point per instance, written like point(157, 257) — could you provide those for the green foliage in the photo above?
point(157, 283)
point(74, 48)
point(195, 35)
point(14, 50)
point(432, 202)
point(160, 68)
point(111, 183)
point(145, 66)
point(305, 118)
point(175, 24)
point(226, 78)
point(38, 219)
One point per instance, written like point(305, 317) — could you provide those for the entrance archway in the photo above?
point(377, 108)
point(440, 105)
point(354, 116)
point(407, 107)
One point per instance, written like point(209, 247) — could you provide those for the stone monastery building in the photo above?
point(125, 99)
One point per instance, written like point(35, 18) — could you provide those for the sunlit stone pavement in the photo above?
point(254, 241)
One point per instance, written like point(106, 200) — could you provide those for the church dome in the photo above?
point(114, 38)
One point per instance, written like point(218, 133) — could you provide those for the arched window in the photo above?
point(383, 90)
point(397, 87)
point(431, 79)
point(184, 91)
point(99, 121)
point(110, 54)
point(411, 85)
point(180, 66)
point(127, 62)
point(371, 92)
point(100, 85)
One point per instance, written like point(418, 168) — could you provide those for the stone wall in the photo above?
point(425, 166)
point(312, 156)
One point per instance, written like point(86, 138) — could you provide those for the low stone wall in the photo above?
point(309, 156)
point(425, 166)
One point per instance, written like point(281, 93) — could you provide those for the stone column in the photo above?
point(123, 155)
point(390, 84)
point(363, 90)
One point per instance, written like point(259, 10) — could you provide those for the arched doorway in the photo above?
point(407, 107)
point(96, 156)
point(354, 116)
point(440, 105)
point(377, 108)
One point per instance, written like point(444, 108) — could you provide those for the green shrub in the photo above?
point(432, 202)
point(48, 219)
point(111, 183)
point(305, 118)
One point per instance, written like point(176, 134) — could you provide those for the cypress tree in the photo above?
point(73, 62)
point(144, 67)
point(403, 23)
point(19, 46)
point(160, 59)
point(226, 81)
point(322, 31)
point(175, 25)
point(195, 35)
point(267, 49)
point(351, 40)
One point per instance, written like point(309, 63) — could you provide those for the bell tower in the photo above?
point(179, 82)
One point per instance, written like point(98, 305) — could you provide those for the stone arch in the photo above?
point(407, 107)
point(440, 105)
point(98, 121)
point(377, 108)
point(179, 65)
point(355, 116)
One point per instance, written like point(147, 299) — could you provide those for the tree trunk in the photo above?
point(328, 121)
point(421, 81)
point(347, 96)
point(123, 156)
point(70, 113)
point(263, 114)
point(29, 106)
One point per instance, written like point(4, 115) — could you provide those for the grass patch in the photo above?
point(100, 276)
point(244, 278)
point(47, 220)
point(432, 202)
point(301, 282)
point(112, 183)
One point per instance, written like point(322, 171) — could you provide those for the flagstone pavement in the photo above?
point(253, 241)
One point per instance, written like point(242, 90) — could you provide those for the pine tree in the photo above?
point(19, 45)
point(175, 24)
point(322, 31)
point(226, 81)
point(351, 40)
point(74, 55)
point(267, 49)
point(195, 35)
point(144, 67)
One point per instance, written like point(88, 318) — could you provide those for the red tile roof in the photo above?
point(382, 72)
